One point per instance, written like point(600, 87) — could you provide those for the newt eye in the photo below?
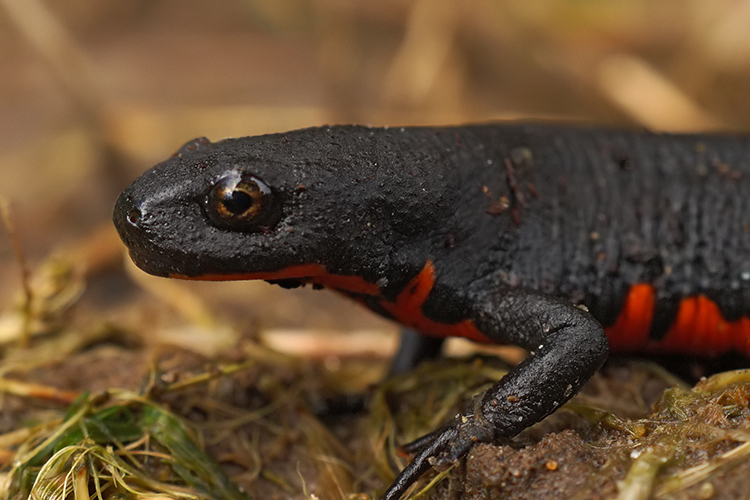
point(241, 202)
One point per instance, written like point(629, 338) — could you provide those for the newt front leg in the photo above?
point(566, 346)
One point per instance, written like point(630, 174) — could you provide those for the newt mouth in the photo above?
point(128, 220)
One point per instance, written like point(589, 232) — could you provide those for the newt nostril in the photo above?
point(134, 216)
point(128, 215)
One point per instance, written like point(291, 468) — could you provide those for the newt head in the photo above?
point(288, 206)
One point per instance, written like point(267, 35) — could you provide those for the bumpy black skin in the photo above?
point(521, 222)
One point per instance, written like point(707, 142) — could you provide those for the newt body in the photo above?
point(498, 233)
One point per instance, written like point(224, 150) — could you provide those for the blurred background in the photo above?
point(94, 92)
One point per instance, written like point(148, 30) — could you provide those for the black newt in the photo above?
point(541, 236)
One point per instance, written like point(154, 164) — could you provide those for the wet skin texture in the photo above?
point(536, 235)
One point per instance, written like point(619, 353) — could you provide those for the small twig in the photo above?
point(218, 372)
point(28, 293)
point(25, 389)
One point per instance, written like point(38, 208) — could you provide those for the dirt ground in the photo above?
point(243, 390)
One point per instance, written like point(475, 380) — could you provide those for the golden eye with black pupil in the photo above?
point(241, 202)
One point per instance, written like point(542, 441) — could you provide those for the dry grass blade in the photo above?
point(331, 456)
point(25, 389)
point(722, 380)
point(429, 486)
point(703, 472)
point(220, 371)
point(639, 482)
point(113, 447)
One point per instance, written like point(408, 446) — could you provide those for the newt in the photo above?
point(566, 241)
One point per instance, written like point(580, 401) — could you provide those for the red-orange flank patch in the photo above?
point(309, 273)
point(407, 309)
point(699, 329)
